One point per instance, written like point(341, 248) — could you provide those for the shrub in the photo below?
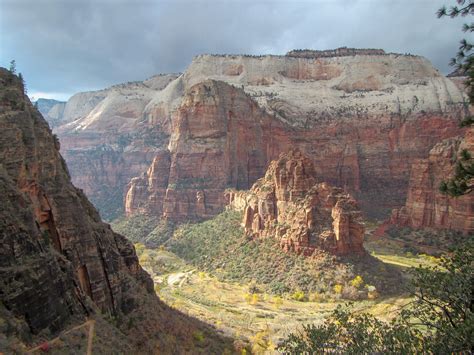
point(338, 289)
point(299, 296)
point(261, 343)
point(357, 281)
point(277, 302)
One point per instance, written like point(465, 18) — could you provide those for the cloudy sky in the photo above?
point(65, 46)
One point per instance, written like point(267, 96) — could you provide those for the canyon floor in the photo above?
point(245, 312)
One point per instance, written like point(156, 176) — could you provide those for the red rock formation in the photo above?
point(303, 215)
point(362, 116)
point(148, 192)
point(40, 207)
point(59, 263)
point(426, 206)
point(221, 138)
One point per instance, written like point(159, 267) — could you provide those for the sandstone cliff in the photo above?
point(220, 139)
point(426, 206)
point(363, 117)
point(107, 139)
point(288, 204)
point(59, 263)
point(52, 111)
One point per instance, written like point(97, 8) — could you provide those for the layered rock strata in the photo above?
point(221, 138)
point(107, 139)
point(288, 204)
point(55, 250)
point(60, 264)
point(426, 206)
point(363, 116)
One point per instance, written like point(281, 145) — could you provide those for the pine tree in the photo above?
point(12, 68)
point(462, 183)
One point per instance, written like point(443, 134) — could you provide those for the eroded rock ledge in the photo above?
point(289, 204)
point(338, 52)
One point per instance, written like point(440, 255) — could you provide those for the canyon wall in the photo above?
point(55, 250)
point(362, 117)
point(60, 264)
point(287, 204)
point(106, 140)
point(426, 206)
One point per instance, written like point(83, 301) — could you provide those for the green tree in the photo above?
point(23, 84)
point(12, 68)
point(464, 60)
point(439, 320)
point(462, 181)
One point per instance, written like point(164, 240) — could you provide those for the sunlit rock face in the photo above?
point(362, 116)
point(426, 206)
point(288, 204)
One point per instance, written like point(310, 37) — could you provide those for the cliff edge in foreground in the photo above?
point(59, 263)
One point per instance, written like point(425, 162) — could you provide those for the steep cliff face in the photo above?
point(362, 116)
point(59, 263)
point(107, 139)
point(50, 227)
point(426, 206)
point(221, 138)
point(288, 204)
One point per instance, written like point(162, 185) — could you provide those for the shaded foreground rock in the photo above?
point(426, 206)
point(289, 205)
point(59, 263)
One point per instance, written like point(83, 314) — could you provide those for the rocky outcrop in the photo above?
point(206, 155)
point(338, 52)
point(221, 138)
point(426, 206)
point(107, 139)
point(59, 263)
point(288, 204)
point(363, 117)
point(55, 250)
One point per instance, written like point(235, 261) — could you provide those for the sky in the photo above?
point(62, 47)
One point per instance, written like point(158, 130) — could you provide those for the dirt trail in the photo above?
point(89, 322)
point(90, 338)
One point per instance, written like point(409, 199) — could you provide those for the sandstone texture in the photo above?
point(107, 139)
point(59, 263)
point(55, 250)
point(362, 116)
point(426, 206)
point(288, 204)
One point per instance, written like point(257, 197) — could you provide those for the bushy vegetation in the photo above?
point(219, 246)
point(140, 228)
point(419, 240)
point(110, 207)
point(440, 320)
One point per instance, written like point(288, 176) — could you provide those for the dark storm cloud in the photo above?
point(72, 45)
